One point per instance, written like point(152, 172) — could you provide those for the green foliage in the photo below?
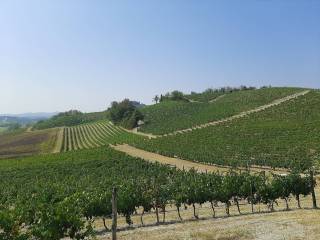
point(70, 118)
point(169, 116)
point(125, 114)
point(211, 93)
point(71, 189)
point(282, 136)
point(174, 96)
point(10, 226)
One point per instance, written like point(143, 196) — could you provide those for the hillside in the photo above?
point(211, 94)
point(69, 192)
point(169, 116)
point(95, 134)
point(281, 136)
point(22, 143)
point(70, 118)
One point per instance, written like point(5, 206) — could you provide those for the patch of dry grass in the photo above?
point(295, 224)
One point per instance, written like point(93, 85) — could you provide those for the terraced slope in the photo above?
point(95, 135)
point(286, 135)
point(170, 116)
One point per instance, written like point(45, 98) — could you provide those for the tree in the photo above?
point(156, 99)
point(177, 95)
point(125, 113)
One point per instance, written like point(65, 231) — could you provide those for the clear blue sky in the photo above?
point(71, 54)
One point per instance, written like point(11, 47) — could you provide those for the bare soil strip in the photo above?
point(59, 140)
point(183, 164)
point(135, 131)
point(217, 98)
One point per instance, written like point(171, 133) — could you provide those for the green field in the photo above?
point(52, 196)
point(282, 136)
point(60, 195)
point(169, 116)
point(70, 118)
point(95, 134)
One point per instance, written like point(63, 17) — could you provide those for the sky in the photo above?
point(82, 54)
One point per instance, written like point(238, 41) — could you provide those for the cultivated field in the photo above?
point(285, 135)
point(170, 116)
point(177, 186)
point(28, 143)
point(95, 134)
point(75, 187)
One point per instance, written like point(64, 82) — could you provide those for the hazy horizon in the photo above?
point(62, 55)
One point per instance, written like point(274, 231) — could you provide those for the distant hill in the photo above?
point(70, 118)
point(10, 122)
point(33, 116)
point(4, 120)
point(75, 117)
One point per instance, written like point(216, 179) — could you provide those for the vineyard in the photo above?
point(67, 195)
point(286, 136)
point(169, 116)
point(61, 195)
point(92, 135)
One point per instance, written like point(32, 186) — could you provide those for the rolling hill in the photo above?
point(67, 192)
point(281, 136)
point(70, 118)
point(169, 116)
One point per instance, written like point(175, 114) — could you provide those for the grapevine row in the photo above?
point(285, 136)
point(170, 116)
point(72, 189)
point(93, 135)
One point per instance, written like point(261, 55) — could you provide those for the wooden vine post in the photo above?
point(114, 213)
point(313, 194)
point(251, 190)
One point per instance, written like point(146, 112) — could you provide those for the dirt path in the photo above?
point(59, 140)
point(29, 129)
point(135, 131)
point(217, 98)
point(182, 164)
